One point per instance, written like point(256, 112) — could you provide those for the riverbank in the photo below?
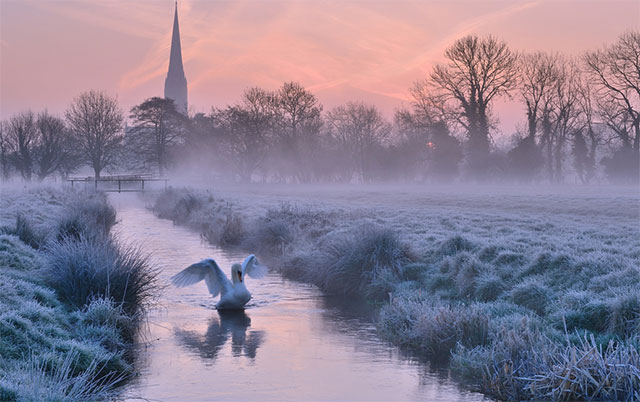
point(71, 297)
point(527, 295)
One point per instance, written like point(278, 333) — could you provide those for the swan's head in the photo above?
point(236, 273)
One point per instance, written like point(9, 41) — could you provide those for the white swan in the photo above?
point(234, 294)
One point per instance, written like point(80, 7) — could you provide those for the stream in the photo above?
point(292, 343)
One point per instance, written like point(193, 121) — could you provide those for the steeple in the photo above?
point(175, 85)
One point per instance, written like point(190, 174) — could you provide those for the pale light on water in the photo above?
point(292, 343)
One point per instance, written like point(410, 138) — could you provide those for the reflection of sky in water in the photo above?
point(291, 343)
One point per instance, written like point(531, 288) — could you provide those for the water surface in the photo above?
point(292, 343)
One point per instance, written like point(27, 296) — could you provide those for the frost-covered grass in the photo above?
point(52, 348)
point(531, 294)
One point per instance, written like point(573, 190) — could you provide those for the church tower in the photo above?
point(175, 85)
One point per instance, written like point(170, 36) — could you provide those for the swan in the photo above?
point(233, 294)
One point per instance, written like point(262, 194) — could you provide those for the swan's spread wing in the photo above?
point(209, 271)
point(251, 267)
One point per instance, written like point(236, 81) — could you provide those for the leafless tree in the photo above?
point(5, 166)
point(248, 129)
point(96, 121)
point(478, 71)
point(359, 128)
point(299, 127)
point(566, 114)
point(54, 146)
point(588, 135)
point(22, 135)
point(615, 72)
point(157, 126)
point(538, 76)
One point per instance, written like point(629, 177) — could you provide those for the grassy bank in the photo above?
point(527, 296)
point(70, 297)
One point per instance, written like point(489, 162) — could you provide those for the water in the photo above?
point(291, 344)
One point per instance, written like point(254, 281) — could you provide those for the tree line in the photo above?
point(581, 116)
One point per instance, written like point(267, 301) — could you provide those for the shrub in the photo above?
point(433, 329)
point(25, 232)
point(489, 287)
point(364, 261)
point(91, 268)
point(455, 245)
point(531, 294)
point(98, 212)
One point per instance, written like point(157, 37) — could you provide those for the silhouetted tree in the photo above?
point(299, 128)
point(95, 119)
point(359, 128)
point(524, 159)
point(478, 71)
point(248, 129)
point(580, 156)
point(5, 166)
point(157, 126)
point(22, 136)
point(445, 153)
point(54, 150)
point(615, 72)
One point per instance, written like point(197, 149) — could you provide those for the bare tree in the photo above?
point(299, 127)
point(22, 135)
point(566, 111)
point(589, 134)
point(157, 126)
point(96, 121)
point(248, 129)
point(478, 71)
point(5, 166)
point(54, 147)
point(538, 76)
point(615, 71)
point(359, 128)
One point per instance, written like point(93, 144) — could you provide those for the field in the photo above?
point(527, 294)
point(70, 297)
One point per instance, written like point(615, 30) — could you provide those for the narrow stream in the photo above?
point(291, 344)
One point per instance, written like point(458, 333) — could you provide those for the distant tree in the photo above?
point(537, 82)
point(426, 139)
point(5, 165)
point(248, 129)
point(445, 153)
point(590, 132)
point(157, 126)
point(22, 136)
point(96, 121)
point(478, 71)
point(359, 128)
point(524, 159)
point(615, 73)
point(300, 123)
point(54, 150)
point(580, 153)
point(565, 116)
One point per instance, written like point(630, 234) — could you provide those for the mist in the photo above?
point(413, 256)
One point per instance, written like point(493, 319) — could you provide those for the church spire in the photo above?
point(175, 85)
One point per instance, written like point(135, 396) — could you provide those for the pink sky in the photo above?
point(51, 50)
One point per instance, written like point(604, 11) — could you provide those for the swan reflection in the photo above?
point(228, 323)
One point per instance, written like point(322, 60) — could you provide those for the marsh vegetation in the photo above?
point(526, 294)
point(71, 297)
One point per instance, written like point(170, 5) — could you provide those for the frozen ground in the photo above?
point(507, 283)
point(53, 245)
